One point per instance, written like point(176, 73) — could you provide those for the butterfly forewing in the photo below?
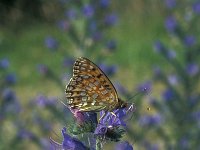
point(89, 89)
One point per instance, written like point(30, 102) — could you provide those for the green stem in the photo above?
point(98, 144)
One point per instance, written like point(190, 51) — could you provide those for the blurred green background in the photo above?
point(22, 42)
point(25, 25)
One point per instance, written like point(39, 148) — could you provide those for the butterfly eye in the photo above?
point(123, 105)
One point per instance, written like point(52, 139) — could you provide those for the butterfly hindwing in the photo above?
point(89, 89)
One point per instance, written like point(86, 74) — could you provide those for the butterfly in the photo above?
point(90, 89)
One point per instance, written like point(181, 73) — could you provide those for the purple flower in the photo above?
point(170, 3)
point(190, 40)
point(145, 87)
point(10, 103)
point(196, 7)
point(109, 70)
point(42, 123)
point(184, 143)
point(157, 71)
point(150, 146)
point(158, 46)
point(43, 101)
point(112, 127)
point(11, 78)
point(192, 69)
point(71, 13)
point(44, 142)
point(104, 3)
point(43, 69)
point(110, 120)
point(168, 95)
point(101, 129)
point(172, 79)
point(4, 63)
point(8, 95)
point(171, 24)
point(88, 10)
point(171, 54)
point(123, 146)
point(97, 36)
point(92, 26)
point(68, 62)
point(111, 19)
point(111, 45)
point(84, 117)
point(150, 120)
point(25, 134)
point(196, 115)
point(63, 25)
point(51, 42)
point(121, 114)
point(71, 143)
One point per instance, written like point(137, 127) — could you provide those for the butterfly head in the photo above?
point(122, 104)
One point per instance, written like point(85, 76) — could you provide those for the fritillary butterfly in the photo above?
point(90, 89)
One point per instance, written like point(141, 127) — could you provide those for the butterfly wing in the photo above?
point(90, 89)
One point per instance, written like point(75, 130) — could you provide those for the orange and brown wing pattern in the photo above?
point(89, 89)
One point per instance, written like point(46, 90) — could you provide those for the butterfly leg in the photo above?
point(114, 116)
point(102, 116)
point(132, 108)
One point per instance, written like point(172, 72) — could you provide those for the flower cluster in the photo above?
point(109, 128)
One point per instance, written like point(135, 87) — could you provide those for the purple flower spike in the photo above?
point(171, 24)
point(192, 69)
point(8, 95)
point(158, 46)
point(111, 19)
point(150, 120)
point(97, 36)
point(111, 45)
point(63, 25)
point(84, 117)
point(4, 63)
point(196, 7)
point(43, 69)
point(170, 3)
point(124, 146)
point(172, 79)
point(101, 130)
point(157, 71)
point(121, 113)
point(71, 143)
point(68, 62)
point(171, 54)
point(88, 11)
point(109, 70)
point(190, 40)
point(11, 78)
point(51, 42)
point(145, 87)
point(25, 134)
point(104, 3)
point(168, 95)
point(71, 14)
point(43, 101)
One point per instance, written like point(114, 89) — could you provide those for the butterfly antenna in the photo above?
point(138, 93)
